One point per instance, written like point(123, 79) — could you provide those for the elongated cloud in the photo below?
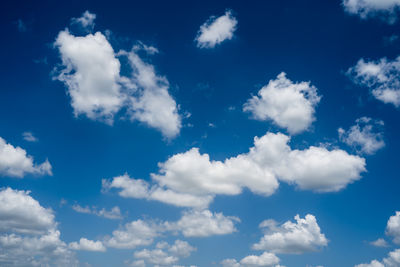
point(270, 159)
point(289, 105)
point(15, 162)
point(216, 30)
point(88, 245)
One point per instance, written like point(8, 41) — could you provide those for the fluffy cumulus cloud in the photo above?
point(216, 30)
point(380, 242)
point(393, 227)
point(164, 254)
point(269, 160)
point(14, 162)
point(298, 237)
point(366, 135)
point(266, 259)
point(392, 260)
point(203, 223)
point(289, 105)
point(381, 76)
point(133, 234)
point(385, 9)
point(28, 233)
point(91, 70)
point(88, 245)
point(113, 213)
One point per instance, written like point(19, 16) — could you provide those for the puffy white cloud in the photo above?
point(392, 260)
point(386, 9)
point(381, 76)
point(28, 136)
point(91, 72)
point(365, 136)
point(266, 259)
point(165, 254)
point(216, 30)
point(28, 233)
point(380, 242)
point(393, 227)
point(289, 105)
point(88, 245)
point(152, 104)
point(86, 20)
point(204, 223)
point(133, 234)
point(15, 162)
point(298, 237)
point(114, 213)
point(20, 213)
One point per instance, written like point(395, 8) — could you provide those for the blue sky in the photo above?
point(172, 133)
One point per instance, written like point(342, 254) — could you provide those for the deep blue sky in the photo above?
point(312, 40)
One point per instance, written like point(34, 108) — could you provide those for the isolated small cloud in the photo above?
point(366, 136)
point(298, 237)
point(14, 162)
point(87, 245)
point(28, 136)
point(86, 21)
point(289, 105)
point(381, 77)
point(380, 242)
point(266, 260)
point(216, 30)
point(113, 213)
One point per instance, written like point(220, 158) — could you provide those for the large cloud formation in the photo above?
point(91, 70)
point(289, 105)
point(197, 178)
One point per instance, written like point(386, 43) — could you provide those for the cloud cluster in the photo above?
point(289, 105)
point(216, 30)
point(15, 162)
point(91, 70)
point(385, 9)
point(366, 135)
point(392, 260)
point(28, 233)
point(381, 76)
point(88, 245)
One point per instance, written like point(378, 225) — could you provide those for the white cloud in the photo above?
point(196, 179)
point(28, 233)
point(393, 227)
point(392, 260)
point(204, 223)
point(133, 234)
point(294, 238)
point(86, 20)
point(91, 72)
point(28, 136)
point(165, 254)
point(380, 242)
point(386, 9)
point(381, 76)
point(114, 213)
point(15, 162)
point(365, 136)
point(216, 30)
point(20, 213)
point(152, 104)
point(289, 105)
point(266, 259)
point(88, 245)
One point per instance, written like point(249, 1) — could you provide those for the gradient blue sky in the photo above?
point(312, 41)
